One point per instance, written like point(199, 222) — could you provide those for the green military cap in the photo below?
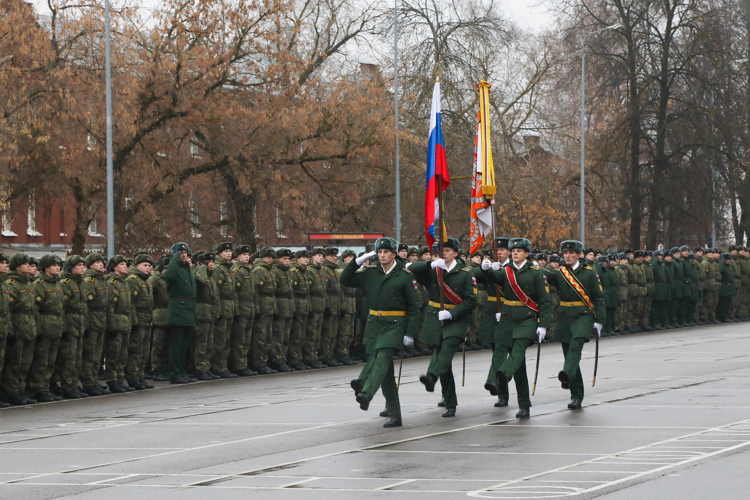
point(140, 259)
point(284, 252)
point(73, 261)
point(659, 253)
point(180, 247)
point(318, 251)
point(502, 242)
point(412, 251)
point(266, 252)
point(571, 246)
point(139, 253)
point(332, 251)
point(649, 253)
point(623, 255)
point(589, 250)
point(452, 243)
point(224, 246)
point(18, 260)
point(532, 256)
point(638, 253)
point(33, 261)
point(521, 243)
point(302, 253)
point(602, 258)
point(684, 248)
point(698, 249)
point(674, 250)
point(726, 256)
point(732, 247)
point(423, 250)
point(208, 256)
point(3, 257)
point(198, 256)
point(403, 246)
point(717, 250)
point(489, 253)
point(463, 253)
point(93, 258)
point(611, 257)
point(114, 261)
point(541, 256)
point(49, 260)
point(242, 249)
point(554, 258)
point(386, 243)
point(347, 253)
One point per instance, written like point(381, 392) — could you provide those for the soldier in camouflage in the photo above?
point(265, 308)
point(76, 295)
point(346, 318)
point(282, 318)
point(226, 285)
point(329, 331)
point(301, 289)
point(318, 284)
point(209, 313)
point(242, 328)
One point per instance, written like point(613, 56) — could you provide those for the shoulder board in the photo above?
point(534, 267)
point(90, 279)
point(589, 268)
point(218, 265)
point(309, 267)
point(113, 282)
point(406, 270)
point(133, 276)
point(11, 281)
point(66, 280)
point(466, 269)
point(38, 280)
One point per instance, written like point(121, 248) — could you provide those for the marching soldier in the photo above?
point(242, 326)
point(265, 300)
point(49, 300)
point(96, 325)
point(318, 284)
point(329, 331)
point(139, 344)
point(392, 320)
point(445, 328)
point(120, 319)
point(582, 309)
point(76, 295)
point(282, 319)
point(226, 286)
point(298, 269)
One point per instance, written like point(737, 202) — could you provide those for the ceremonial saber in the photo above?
point(536, 374)
point(596, 358)
point(400, 365)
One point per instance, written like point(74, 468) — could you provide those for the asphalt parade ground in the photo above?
point(669, 418)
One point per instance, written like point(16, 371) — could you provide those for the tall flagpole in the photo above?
point(440, 238)
point(110, 173)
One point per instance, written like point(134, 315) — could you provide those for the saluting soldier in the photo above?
point(182, 312)
point(242, 325)
point(301, 288)
point(445, 328)
point(394, 313)
point(525, 316)
point(582, 309)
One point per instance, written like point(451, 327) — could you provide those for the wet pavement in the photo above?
point(669, 418)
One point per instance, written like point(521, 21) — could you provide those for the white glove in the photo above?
point(438, 263)
point(542, 332)
point(486, 264)
point(495, 266)
point(598, 327)
point(497, 316)
point(444, 315)
point(365, 258)
point(408, 340)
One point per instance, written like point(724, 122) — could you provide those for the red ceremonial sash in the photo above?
point(517, 289)
point(449, 294)
point(577, 286)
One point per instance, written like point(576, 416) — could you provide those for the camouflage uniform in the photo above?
point(265, 308)
point(346, 317)
point(49, 300)
point(700, 315)
point(284, 312)
point(209, 312)
point(621, 324)
point(744, 301)
point(678, 281)
point(160, 330)
point(120, 319)
point(96, 325)
point(301, 312)
point(5, 325)
point(713, 284)
point(226, 285)
point(139, 344)
point(318, 283)
point(19, 351)
point(76, 296)
point(649, 298)
point(737, 297)
point(329, 331)
point(242, 328)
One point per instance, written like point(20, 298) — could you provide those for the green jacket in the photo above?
point(49, 300)
point(333, 287)
point(633, 280)
point(120, 310)
point(669, 277)
point(603, 274)
point(660, 279)
point(744, 263)
point(98, 287)
point(161, 298)
point(577, 321)
point(5, 325)
point(317, 286)
point(301, 290)
point(650, 286)
point(489, 324)
point(284, 294)
point(460, 280)
point(245, 289)
point(678, 280)
point(622, 275)
point(713, 275)
point(734, 262)
point(23, 310)
point(348, 294)
point(727, 279)
point(265, 289)
point(76, 297)
point(614, 287)
point(223, 277)
point(520, 321)
point(206, 296)
point(182, 289)
point(142, 298)
point(640, 278)
point(395, 291)
point(692, 283)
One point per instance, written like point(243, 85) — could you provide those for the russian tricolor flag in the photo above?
point(437, 168)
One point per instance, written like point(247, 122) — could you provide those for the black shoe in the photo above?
point(137, 385)
point(384, 413)
point(492, 388)
point(104, 390)
point(429, 381)
point(316, 365)
point(44, 397)
point(56, 389)
point(305, 367)
point(246, 372)
point(192, 379)
point(228, 374)
point(148, 376)
point(564, 380)
point(348, 362)
point(284, 368)
point(29, 400)
point(441, 403)
point(179, 381)
point(128, 388)
point(93, 390)
point(357, 385)
point(394, 422)
point(205, 376)
point(299, 367)
point(502, 382)
point(331, 362)
point(523, 413)
point(3, 404)
point(364, 400)
point(160, 377)
point(17, 400)
point(81, 393)
point(71, 395)
point(116, 388)
point(263, 370)
point(501, 403)
point(449, 412)
point(145, 384)
point(575, 404)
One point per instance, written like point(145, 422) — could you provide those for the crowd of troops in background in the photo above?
point(66, 326)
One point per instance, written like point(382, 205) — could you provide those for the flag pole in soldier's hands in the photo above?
point(400, 365)
point(596, 358)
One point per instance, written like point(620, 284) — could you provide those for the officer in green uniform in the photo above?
point(5, 324)
point(669, 267)
point(301, 289)
point(49, 301)
point(582, 310)
point(678, 285)
point(282, 318)
point(120, 319)
point(634, 297)
point(318, 283)
point(726, 290)
point(394, 303)
point(209, 313)
point(445, 328)
point(242, 325)
point(743, 260)
point(226, 285)
point(330, 328)
point(139, 344)
point(96, 326)
point(621, 325)
point(76, 295)
point(159, 330)
point(182, 312)
point(346, 317)
point(525, 316)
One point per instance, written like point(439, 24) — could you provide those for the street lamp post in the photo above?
point(110, 174)
point(583, 126)
point(395, 98)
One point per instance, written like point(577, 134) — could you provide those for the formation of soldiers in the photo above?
point(66, 326)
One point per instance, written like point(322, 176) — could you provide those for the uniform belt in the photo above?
point(387, 313)
point(513, 303)
point(577, 303)
point(494, 299)
point(437, 304)
point(179, 297)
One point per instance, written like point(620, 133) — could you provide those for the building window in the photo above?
point(91, 141)
point(194, 220)
point(31, 218)
point(279, 225)
point(92, 229)
point(224, 216)
point(195, 151)
point(7, 218)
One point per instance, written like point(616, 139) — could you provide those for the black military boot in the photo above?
point(491, 387)
point(501, 402)
point(364, 400)
point(429, 381)
point(449, 412)
point(394, 422)
point(523, 413)
point(564, 380)
point(357, 385)
point(575, 404)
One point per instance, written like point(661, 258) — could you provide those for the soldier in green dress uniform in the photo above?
point(445, 328)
